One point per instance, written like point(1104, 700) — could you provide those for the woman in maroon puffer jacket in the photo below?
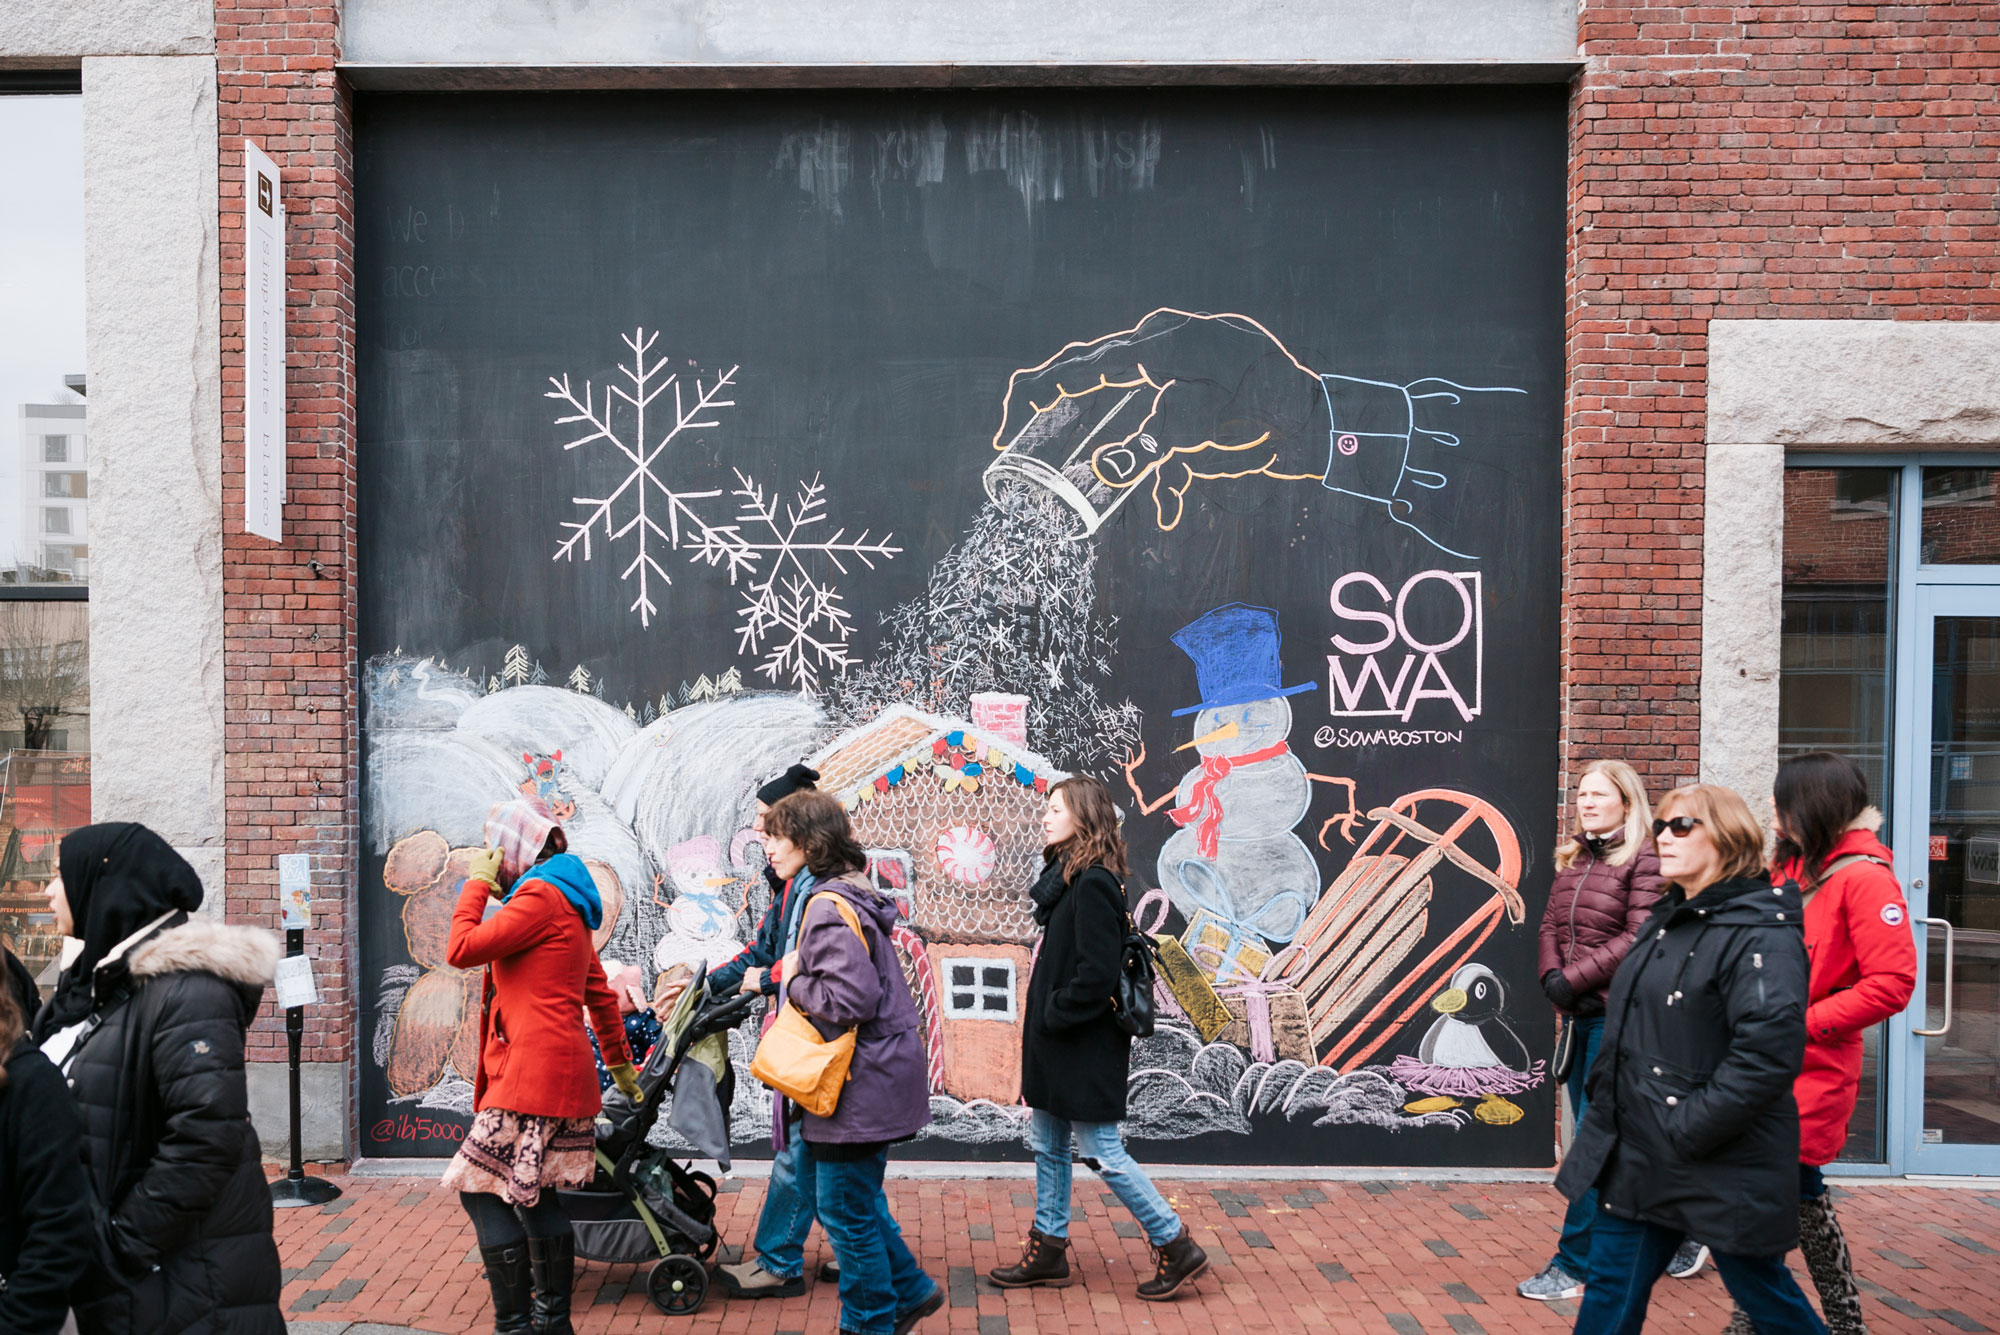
point(1607, 879)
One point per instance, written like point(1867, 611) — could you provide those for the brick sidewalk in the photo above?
point(1389, 1258)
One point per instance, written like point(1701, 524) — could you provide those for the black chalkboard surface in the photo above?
point(1207, 442)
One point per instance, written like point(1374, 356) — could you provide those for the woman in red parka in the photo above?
point(536, 1093)
point(1864, 967)
point(1607, 880)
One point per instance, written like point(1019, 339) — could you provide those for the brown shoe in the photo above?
point(1176, 1264)
point(1044, 1261)
point(747, 1279)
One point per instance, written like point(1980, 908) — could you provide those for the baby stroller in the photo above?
point(642, 1204)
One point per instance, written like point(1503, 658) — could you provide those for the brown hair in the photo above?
point(818, 826)
point(1638, 825)
point(12, 1023)
point(1818, 795)
point(1737, 836)
point(1096, 839)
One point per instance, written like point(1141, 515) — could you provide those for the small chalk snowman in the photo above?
point(1237, 854)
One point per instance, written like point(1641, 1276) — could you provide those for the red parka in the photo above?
point(1864, 967)
point(1594, 909)
point(534, 1054)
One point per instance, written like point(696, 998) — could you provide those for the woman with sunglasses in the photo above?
point(1692, 1130)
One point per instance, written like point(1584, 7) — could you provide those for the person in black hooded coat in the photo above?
point(46, 1234)
point(148, 1025)
point(1691, 1129)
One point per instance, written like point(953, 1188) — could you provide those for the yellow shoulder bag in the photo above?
point(794, 1060)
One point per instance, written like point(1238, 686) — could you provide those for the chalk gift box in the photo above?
point(1267, 1016)
point(1220, 951)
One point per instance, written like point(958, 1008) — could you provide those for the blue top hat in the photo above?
point(1235, 653)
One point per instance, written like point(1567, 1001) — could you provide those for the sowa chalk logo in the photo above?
point(1397, 649)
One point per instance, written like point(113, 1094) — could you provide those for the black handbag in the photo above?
point(1132, 1007)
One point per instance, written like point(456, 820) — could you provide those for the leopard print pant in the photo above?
point(1825, 1249)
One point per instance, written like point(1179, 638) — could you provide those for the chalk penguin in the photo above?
point(1471, 1031)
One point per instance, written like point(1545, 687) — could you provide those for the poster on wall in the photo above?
point(1208, 443)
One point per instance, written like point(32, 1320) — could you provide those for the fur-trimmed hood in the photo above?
point(1870, 820)
point(236, 954)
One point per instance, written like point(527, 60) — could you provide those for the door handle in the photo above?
point(1945, 1028)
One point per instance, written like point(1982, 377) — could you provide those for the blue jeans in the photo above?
point(1573, 1252)
point(879, 1279)
point(789, 1204)
point(1627, 1257)
point(1050, 1135)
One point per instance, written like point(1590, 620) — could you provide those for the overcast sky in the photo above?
point(41, 274)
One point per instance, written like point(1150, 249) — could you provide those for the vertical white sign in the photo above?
point(263, 347)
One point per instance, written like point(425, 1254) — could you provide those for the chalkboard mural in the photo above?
point(1205, 442)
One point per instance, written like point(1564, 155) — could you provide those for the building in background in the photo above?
point(55, 495)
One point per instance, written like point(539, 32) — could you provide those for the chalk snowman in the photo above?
point(1237, 854)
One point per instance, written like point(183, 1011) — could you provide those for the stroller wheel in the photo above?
point(678, 1285)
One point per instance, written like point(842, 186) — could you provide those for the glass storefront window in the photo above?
point(44, 514)
point(1961, 524)
point(1835, 683)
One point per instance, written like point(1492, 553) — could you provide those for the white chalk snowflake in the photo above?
point(792, 614)
point(657, 512)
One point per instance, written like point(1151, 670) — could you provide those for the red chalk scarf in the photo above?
point(1204, 808)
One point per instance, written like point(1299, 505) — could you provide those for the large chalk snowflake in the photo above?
point(642, 507)
point(792, 614)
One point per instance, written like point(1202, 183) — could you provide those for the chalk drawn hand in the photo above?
point(1184, 397)
point(1179, 398)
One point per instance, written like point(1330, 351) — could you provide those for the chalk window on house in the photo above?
point(977, 989)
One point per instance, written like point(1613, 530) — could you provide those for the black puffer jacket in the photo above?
point(1074, 1056)
point(47, 1241)
point(169, 1147)
point(1691, 1123)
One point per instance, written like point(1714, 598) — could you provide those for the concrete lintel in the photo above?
point(421, 78)
point(153, 347)
point(324, 1095)
point(824, 33)
point(59, 33)
point(1855, 384)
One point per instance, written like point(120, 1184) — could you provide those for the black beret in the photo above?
point(796, 779)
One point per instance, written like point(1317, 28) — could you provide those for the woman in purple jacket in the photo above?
point(844, 978)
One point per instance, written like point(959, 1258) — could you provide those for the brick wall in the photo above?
point(1755, 161)
point(290, 696)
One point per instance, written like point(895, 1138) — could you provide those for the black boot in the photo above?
point(1827, 1257)
point(507, 1275)
point(1044, 1261)
point(554, 1262)
point(1177, 1264)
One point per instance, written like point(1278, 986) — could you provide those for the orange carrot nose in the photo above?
point(1221, 734)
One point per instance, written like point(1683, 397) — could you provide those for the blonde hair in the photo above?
point(1734, 831)
point(1638, 825)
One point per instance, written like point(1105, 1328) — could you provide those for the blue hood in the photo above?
point(566, 872)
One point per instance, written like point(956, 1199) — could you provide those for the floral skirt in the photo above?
point(514, 1155)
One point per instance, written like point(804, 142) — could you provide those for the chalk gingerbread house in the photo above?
point(950, 812)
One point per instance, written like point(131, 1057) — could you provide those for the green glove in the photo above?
point(627, 1080)
point(484, 866)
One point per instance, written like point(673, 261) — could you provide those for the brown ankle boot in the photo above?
point(1176, 1264)
point(1044, 1260)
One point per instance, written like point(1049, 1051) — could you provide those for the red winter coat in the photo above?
point(1594, 909)
point(534, 1054)
point(1864, 967)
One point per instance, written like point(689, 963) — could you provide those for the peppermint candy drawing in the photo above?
point(966, 854)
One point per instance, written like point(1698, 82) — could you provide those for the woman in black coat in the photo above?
point(46, 1239)
point(1691, 1130)
point(148, 1025)
point(1074, 1057)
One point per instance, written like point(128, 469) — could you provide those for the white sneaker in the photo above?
point(1689, 1257)
point(1551, 1285)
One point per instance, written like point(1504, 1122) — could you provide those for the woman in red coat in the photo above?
point(1864, 967)
point(536, 1093)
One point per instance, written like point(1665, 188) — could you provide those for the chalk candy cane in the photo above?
point(927, 1002)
